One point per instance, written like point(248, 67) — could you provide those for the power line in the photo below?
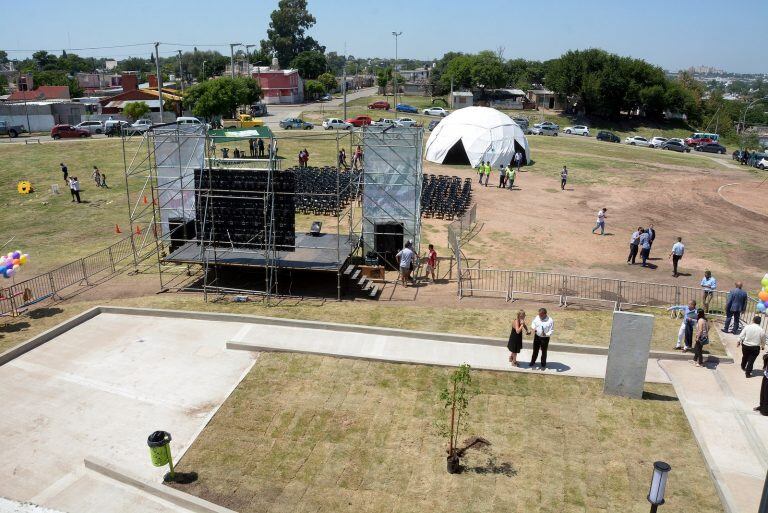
point(80, 49)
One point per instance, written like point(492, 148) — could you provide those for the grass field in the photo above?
point(309, 433)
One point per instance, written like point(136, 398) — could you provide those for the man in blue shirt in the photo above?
point(734, 307)
point(645, 247)
point(686, 328)
point(709, 286)
point(678, 250)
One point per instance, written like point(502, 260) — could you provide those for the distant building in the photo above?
point(132, 93)
point(42, 115)
point(544, 99)
point(279, 85)
point(461, 99)
point(415, 75)
point(110, 64)
point(509, 99)
point(42, 93)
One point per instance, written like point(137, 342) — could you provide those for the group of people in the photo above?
point(408, 261)
point(256, 147)
point(357, 159)
point(542, 326)
point(507, 174)
point(642, 241)
point(99, 178)
point(303, 158)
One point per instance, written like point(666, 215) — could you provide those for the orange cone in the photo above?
point(117, 229)
point(138, 230)
point(145, 199)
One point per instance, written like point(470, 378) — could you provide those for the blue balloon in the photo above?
point(761, 307)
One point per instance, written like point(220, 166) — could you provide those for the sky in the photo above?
point(672, 34)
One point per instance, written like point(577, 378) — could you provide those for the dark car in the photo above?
point(64, 131)
point(602, 135)
point(711, 147)
point(433, 124)
point(116, 128)
point(676, 146)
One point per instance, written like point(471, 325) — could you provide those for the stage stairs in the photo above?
point(356, 279)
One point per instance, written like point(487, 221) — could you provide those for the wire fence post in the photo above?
point(677, 295)
point(111, 259)
point(617, 306)
point(85, 274)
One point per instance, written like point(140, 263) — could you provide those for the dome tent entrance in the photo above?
point(474, 134)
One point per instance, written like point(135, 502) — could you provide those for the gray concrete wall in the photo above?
point(628, 354)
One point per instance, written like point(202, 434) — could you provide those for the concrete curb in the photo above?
point(172, 495)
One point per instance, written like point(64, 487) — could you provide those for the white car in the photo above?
point(577, 130)
point(139, 126)
point(544, 130)
point(657, 142)
point(385, 122)
point(762, 163)
point(405, 122)
point(435, 111)
point(94, 127)
point(547, 124)
point(636, 140)
point(188, 120)
point(336, 124)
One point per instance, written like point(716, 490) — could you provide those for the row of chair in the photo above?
point(444, 196)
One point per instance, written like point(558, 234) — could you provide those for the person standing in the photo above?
point(543, 327)
point(431, 262)
point(709, 286)
point(511, 174)
point(357, 158)
point(480, 170)
point(763, 407)
point(634, 245)
point(74, 186)
point(563, 178)
point(251, 149)
point(65, 172)
point(515, 344)
point(96, 175)
point(645, 247)
point(752, 341)
point(734, 307)
point(678, 250)
point(487, 171)
point(260, 146)
point(651, 234)
point(600, 221)
point(518, 160)
point(502, 177)
point(405, 261)
point(685, 334)
point(701, 338)
point(104, 180)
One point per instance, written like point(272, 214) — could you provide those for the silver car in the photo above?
point(94, 127)
point(544, 130)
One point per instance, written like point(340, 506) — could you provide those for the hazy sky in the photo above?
point(673, 34)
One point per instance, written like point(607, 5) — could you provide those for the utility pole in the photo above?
point(204, 69)
point(394, 67)
point(451, 92)
point(344, 81)
point(159, 79)
point(248, 58)
point(232, 56)
point(26, 109)
point(181, 73)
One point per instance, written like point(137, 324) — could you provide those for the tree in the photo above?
point(285, 36)
point(57, 78)
point(136, 110)
point(311, 64)
point(460, 70)
point(382, 79)
point(3, 85)
point(328, 80)
point(4, 57)
point(487, 71)
point(455, 396)
point(222, 96)
point(314, 88)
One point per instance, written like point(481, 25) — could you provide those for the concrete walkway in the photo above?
point(718, 402)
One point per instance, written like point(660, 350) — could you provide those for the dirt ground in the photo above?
point(749, 195)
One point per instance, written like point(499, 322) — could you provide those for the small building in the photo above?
point(41, 116)
point(461, 99)
point(509, 99)
point(545, 99)
point(279, 85)
point(42, 93)
point(415, 75)
point(132, 93)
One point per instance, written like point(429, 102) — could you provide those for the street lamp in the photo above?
point(204, 69)
point(658, 484)
point(232, 56)
point(394, 67)
point(744, 116)
point(248, 57)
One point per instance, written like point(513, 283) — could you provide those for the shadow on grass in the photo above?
point(41, 313)
point(491, 467)
point(14, 327)
point(652, 396)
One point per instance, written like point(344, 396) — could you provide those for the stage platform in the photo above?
point(312, 253)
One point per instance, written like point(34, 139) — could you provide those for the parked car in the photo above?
point(577, 130)
point(115, 127)
point(336, 123)
point(736, 155)
point(676, 139)
point(385, 122)
point(604, 135)
point(406, 122)
point(296, 123)
point(11, 130)
point(711, 147)
point(548, 124)
point(326, 98)
point(436, 111)
point(379, 105)
point(433, 124)
point(359, 121)
point(188, 120)
point(242, 121)
point(675, 146)
point(544, 130)
point(139, 126)
point(94, 127)
point(68, 131)
point(762, 164)
point(403, 107)
point(636, 140)
point(522, 123)
point(701, 138)
point(657, 142)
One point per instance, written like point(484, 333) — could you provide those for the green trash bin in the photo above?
point(160, 448)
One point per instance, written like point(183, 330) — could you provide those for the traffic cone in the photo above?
point(145, 199)
point(117, 229)
point(138, 230)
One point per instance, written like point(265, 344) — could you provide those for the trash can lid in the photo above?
point(159, 439)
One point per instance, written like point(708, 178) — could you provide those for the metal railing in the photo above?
point(464, 222)
point(511, 284)
point(20, 296)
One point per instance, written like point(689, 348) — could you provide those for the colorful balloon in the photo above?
point(16, 254)
point(23, 259)
point(763, 295)
point(761, 307)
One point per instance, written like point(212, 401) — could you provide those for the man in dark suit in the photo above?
point(651, 234)
point(734, 307)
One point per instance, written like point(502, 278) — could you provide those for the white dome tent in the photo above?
point(474, 134)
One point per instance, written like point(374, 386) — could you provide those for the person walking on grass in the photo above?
point(96, 175)
point(65, 172)
point(405, 259)
point(645, 247)
point(431, 262)
point(601, 215)
point(752, 341)
point(685, 334)
point(634, 245)
point(708, 286)
point(563, 178)
point(515, 344)
point(701, 337)
point(678, 250)
point(74, 187)
point(735, 305)
point(543, 327)
point(104, 181)
point(511, 174)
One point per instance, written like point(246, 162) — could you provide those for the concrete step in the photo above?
point(362, 281)
point(349, 269)
point(356, 274)
point(374, 293)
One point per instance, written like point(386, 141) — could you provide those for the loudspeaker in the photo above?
point(388, 241)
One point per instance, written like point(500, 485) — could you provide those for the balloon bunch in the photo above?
point(10, 263)
point(762, 296)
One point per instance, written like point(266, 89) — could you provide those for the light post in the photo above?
point(204, 77)
point(159, 79)
point(744, 116)
point(181, 74)
point(394, 68)
point(658, 484)
point(248, 57)
point(232, 56)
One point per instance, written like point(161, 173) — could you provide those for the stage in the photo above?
point(327, 252)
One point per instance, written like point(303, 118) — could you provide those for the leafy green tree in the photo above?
point(328, 80)
point(460, 70)
point(286, 37)
point(57, 78)
point(136, 110)
point(487, 71)
point(311, 64)
point(654, 101)
point(4, 57)
point(314, 88)
point(3, 85)
point(222, 96)
point(44, 60)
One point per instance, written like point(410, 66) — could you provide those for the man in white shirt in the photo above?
point(678, 250)
point(751, 340)
point(543, 326)
point(600, 221)
point(634, 244)
point(405, 259)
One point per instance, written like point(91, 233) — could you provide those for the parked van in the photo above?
point(188, 120)
point(701, 138)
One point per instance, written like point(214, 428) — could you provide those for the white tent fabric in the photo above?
point(487, 135)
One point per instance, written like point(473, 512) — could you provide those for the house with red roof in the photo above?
point(41, 93)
